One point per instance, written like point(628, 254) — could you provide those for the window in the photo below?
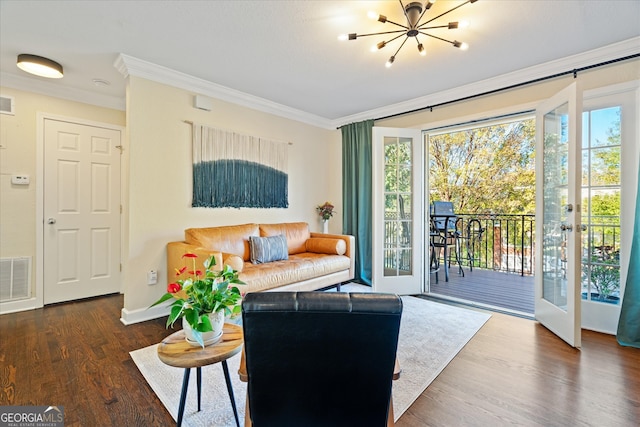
point(601, 190)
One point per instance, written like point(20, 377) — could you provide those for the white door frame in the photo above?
point(38, 300)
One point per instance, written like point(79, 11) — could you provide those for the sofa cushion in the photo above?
point(268, 249)
point(233, 261)
point(232, 239)
point(322, 245)
point(299, 267)
point(296, 233)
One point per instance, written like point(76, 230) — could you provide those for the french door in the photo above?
point(397, 211)
point(558, 208)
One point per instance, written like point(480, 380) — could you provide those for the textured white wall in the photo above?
point(159, 156)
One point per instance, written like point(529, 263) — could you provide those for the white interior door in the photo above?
point(81, 211)
point(397, 211)
point(557, 293)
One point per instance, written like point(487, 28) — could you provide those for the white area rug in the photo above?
point(431, 334)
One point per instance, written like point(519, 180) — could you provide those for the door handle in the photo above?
point(51, 221)
point(566, 227)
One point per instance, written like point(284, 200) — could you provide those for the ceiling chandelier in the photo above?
point(413, 12)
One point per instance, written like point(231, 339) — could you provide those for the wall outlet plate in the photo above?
point(152, 277)
point(20, 179)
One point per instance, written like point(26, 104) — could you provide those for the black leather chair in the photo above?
point(320, 358)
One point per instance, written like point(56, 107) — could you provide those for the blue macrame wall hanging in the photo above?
point(238, 171)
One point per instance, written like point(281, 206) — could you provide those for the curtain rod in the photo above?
point(575, 72)
point(189, 122)
point(483, 120)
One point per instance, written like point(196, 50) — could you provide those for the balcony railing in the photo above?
point(499, 242)
point(502, 242)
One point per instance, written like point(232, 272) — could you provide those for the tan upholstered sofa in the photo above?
point(314, 260)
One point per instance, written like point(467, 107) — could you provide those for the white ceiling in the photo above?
point(286, 53)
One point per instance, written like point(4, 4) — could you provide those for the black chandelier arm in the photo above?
point(384, 32)
point(436, 37)
point(431, 28)
point(403, 42)
point(393, 39)
point(395, 23)
point(444, 13)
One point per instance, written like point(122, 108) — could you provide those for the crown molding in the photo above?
point(28, 84)
point(131, 66)
point(607, 53)
point(128, 65)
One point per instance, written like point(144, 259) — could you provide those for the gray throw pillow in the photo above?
point(267, 249)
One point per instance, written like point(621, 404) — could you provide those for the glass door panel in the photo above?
point(557, 304)
point(609, 187)
point(555, 201)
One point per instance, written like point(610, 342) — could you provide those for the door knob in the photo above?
point(566, 227)
point(51, 221)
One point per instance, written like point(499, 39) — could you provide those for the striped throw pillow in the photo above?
point(267, 249)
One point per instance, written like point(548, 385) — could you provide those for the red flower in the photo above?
point(188, 255)
point(196, 273)
point(172, 288)
point(179, 272)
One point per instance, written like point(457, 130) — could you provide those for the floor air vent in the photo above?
point(15, 278)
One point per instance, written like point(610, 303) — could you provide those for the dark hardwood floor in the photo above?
point(513, 372)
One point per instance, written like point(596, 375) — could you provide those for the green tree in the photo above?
point(484, 170)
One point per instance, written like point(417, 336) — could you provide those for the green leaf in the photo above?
point(198, 336)
point(176, 311)
point(192, 317)
point(210, 262)
point(162, 299)
point(205, 324)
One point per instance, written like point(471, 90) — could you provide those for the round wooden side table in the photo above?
point(174, 350)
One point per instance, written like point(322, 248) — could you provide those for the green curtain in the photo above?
point(356, 193)
point(629, 323)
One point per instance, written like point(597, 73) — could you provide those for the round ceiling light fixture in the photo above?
point(40, 66)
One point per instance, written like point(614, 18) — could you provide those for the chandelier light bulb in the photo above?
point(372, 15)
point(390, 62)
point(421, 50)
point(463, 24)
point(343, 37)
point(460, 45)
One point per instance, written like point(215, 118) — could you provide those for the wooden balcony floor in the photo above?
point(502, 290)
